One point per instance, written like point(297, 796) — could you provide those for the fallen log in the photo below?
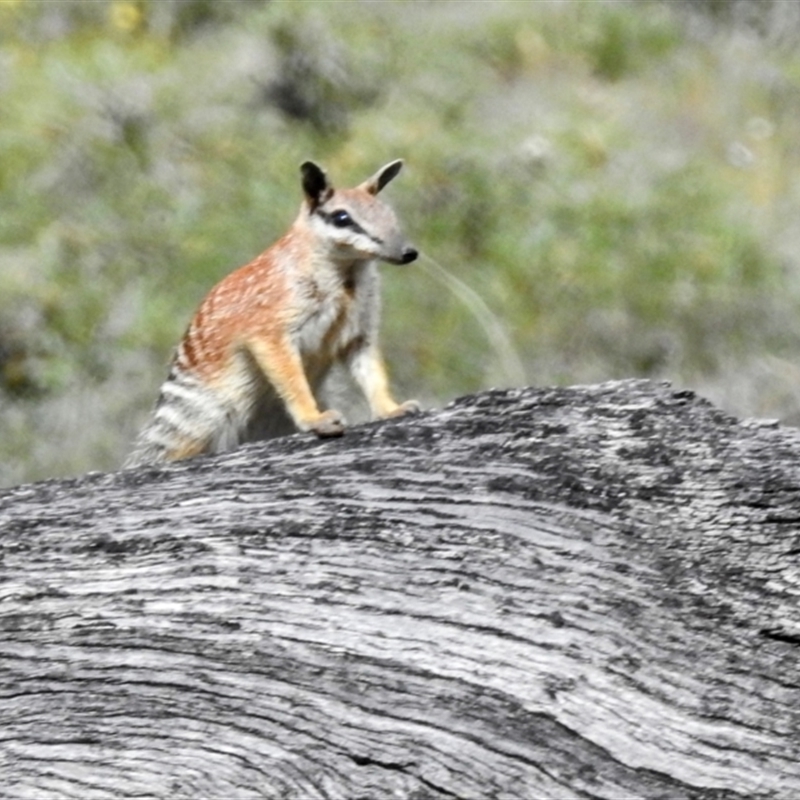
point(584, 592)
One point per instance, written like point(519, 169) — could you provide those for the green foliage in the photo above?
point(614, 191)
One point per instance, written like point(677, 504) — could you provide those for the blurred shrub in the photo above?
point(773, 19)
point(610, 194)
point(314, 81)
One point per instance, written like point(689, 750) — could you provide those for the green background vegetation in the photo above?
point(616, 181)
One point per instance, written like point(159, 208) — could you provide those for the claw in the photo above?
point(330, 423)
point(408, 408)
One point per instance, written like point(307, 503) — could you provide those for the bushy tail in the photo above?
point(185, 422)
point(145, 452)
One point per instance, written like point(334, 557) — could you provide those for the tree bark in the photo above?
point(586, 592)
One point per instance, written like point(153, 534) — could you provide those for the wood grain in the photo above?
point(586, 592)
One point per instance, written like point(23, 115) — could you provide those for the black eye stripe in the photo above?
point(330, 218)
point(341, 219)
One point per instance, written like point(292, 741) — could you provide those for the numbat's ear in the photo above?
point(374, 184)
point(315, 184)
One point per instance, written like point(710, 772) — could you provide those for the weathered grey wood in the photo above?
point(587, 592)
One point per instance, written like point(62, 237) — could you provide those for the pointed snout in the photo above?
point(409, 255)
point(403, 255)
point(400, 255)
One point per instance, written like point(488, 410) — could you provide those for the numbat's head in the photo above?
point(354, 223)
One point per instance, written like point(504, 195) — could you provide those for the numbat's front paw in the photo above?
point(329, 423)
point(409, 407)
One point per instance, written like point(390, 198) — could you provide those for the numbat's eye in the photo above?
point(341, 219)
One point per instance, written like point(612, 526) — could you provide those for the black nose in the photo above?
point(409, 255)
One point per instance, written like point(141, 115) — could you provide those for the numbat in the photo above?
point(265, 337)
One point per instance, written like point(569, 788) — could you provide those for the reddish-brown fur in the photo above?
point(265, 336)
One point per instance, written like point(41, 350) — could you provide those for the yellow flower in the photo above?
point(125, 16)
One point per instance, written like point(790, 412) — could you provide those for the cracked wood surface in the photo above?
point(585, 592)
